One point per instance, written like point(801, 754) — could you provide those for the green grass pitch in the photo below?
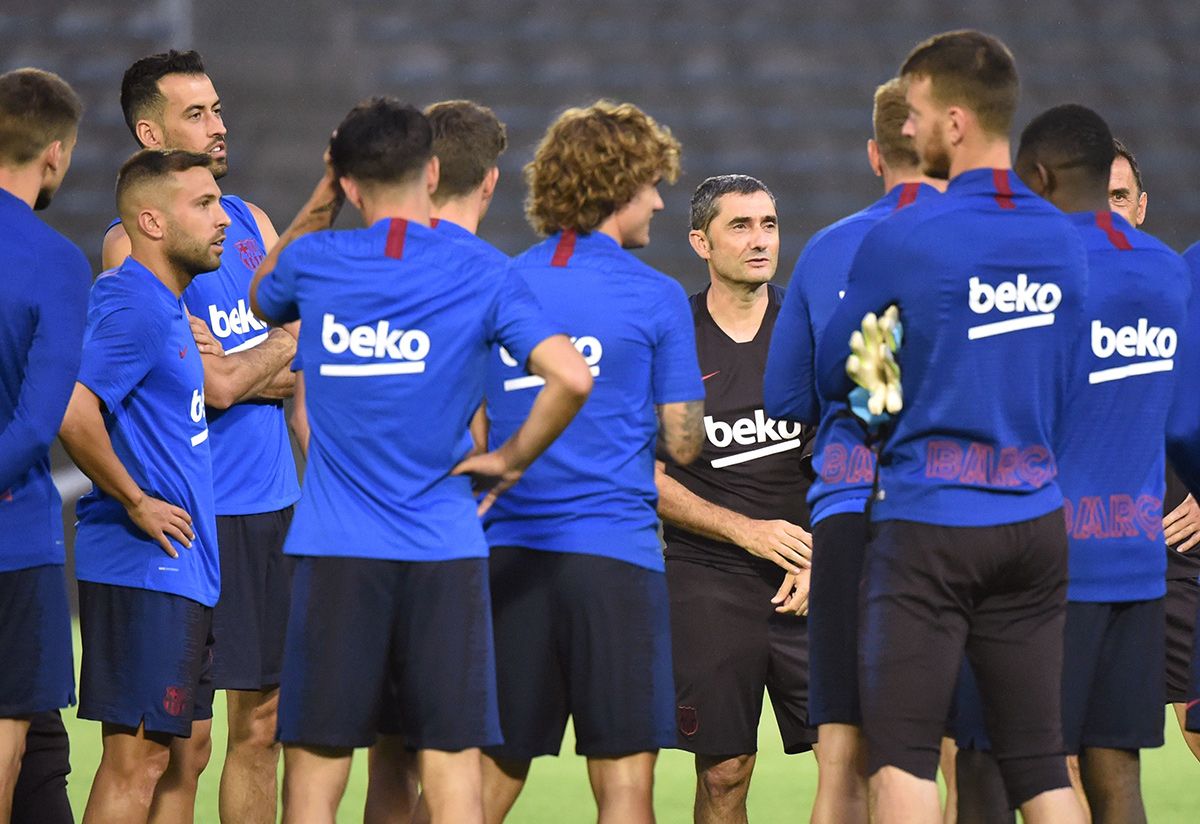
point(558, 791)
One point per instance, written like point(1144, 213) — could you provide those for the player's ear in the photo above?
point(351, 190)
point(874, 158)
point(1141, 209)
point(699, 242)
point(148, 134)
point(956, 124)
point(488, 187)
point(433, 170)
point(151, 224)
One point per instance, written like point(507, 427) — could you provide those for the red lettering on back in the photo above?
point(943, 459)
point(976, 464)
point(1089, 520)
point(1036, 466)
point(1122, 515)
point(1006, 467)
point(862, 466)
point(833, 463)
point(1150, 515)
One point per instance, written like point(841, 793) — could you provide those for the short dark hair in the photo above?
point(971, 69)
point(467, 139)
point(1069, 136)
point(36, 108)
point(151, 165)
point(140, 94)
point(888, 116)
point(1121, 150)
point(381, 140)
point(706, 200)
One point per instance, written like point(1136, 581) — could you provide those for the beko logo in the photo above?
point(1141, 341)
point(1009, 297)
point(586, 345)
point(780, 436)
point(395, 351)
point(197, 414)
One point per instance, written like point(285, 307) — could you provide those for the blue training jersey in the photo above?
point(397, 324)
point(43, 306)
point(140, 359)
point(253, 469)
point(1138, 292)
point(843, 464)
point(1183, 422)
point(990, 281)
point(593, 490)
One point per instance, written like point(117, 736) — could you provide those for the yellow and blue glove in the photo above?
point(872, 365)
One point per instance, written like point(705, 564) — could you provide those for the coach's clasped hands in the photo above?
point(872, 365)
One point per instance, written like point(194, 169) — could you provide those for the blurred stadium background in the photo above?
point(774, 88)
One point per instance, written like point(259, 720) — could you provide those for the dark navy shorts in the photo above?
point(839, 544)
point(999, 594)
point(586, 637)
point(393, 646)
point(147, 658)
point(35, 642)
point(729, 645)
point(1113, 690)
point(1182, 604)
point(250, 619)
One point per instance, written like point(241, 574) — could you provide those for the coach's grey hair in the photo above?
point(704, 200)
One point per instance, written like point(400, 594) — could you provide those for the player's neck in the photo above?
point(898, 177)
point(23, 183)
point(168, 273)
point(462, 211)
point(737, 308)
point(411, 204)
point(983, 152)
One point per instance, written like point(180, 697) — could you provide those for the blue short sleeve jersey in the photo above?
point(593, 490)
point(990, 281)
point(1183, 422)
point(844, 465)
point(140, 360)
point(253, 469)
point(43, 307)
point(1138, 292)
point(397, 324)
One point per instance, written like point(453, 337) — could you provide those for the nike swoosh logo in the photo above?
point(709, 375)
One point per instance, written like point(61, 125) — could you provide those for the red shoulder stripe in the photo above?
point(565, 248)
point(1116, 237)
point(395, 238)
point(1004, 192)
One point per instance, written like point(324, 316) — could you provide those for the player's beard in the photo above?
point(935, 156)
point(219, 166)
point(44, 196)
point(191, 255)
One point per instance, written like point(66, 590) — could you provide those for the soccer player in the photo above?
point(42, 313)
point(734, 521)
point(579, 596)
point(170, 103)
point(1181, 524)
point(391, 582)
point(468, 140)
point(145, 546)
point(969, 551)
point(843, 463)
point(1114, 648)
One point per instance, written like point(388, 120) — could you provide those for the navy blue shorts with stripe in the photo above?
point(250, 620)
point(393, 646)
point(147, 658)
point(581, 636)
point(35, 632)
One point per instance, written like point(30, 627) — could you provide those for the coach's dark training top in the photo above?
point(750, 463)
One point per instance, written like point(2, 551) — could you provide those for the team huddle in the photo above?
point(861, 481)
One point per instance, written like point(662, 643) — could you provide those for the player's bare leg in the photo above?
point(1191, 738)
point(12, 747)
point(503, 780)
point(950, 775)
point(249, 787)
point(722, 784)
point(899, 797)
point(175, 796)
point(452, 785)
point(624, 788)
point(1053, 807)
point(392, 787)
point(1077, 785)
point(1113, 782)
point(130, 768)
point(314, 780)
point(841, 776)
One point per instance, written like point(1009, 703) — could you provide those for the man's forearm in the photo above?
point(552, 410)
point(679, 506)
point(263, 371)
point(86, 440)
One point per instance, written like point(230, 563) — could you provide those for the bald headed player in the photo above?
point(169, 102)
point(146, 544)
point(1181, 524)
point(42, 312)
point(734, 521)
point(844, 464)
